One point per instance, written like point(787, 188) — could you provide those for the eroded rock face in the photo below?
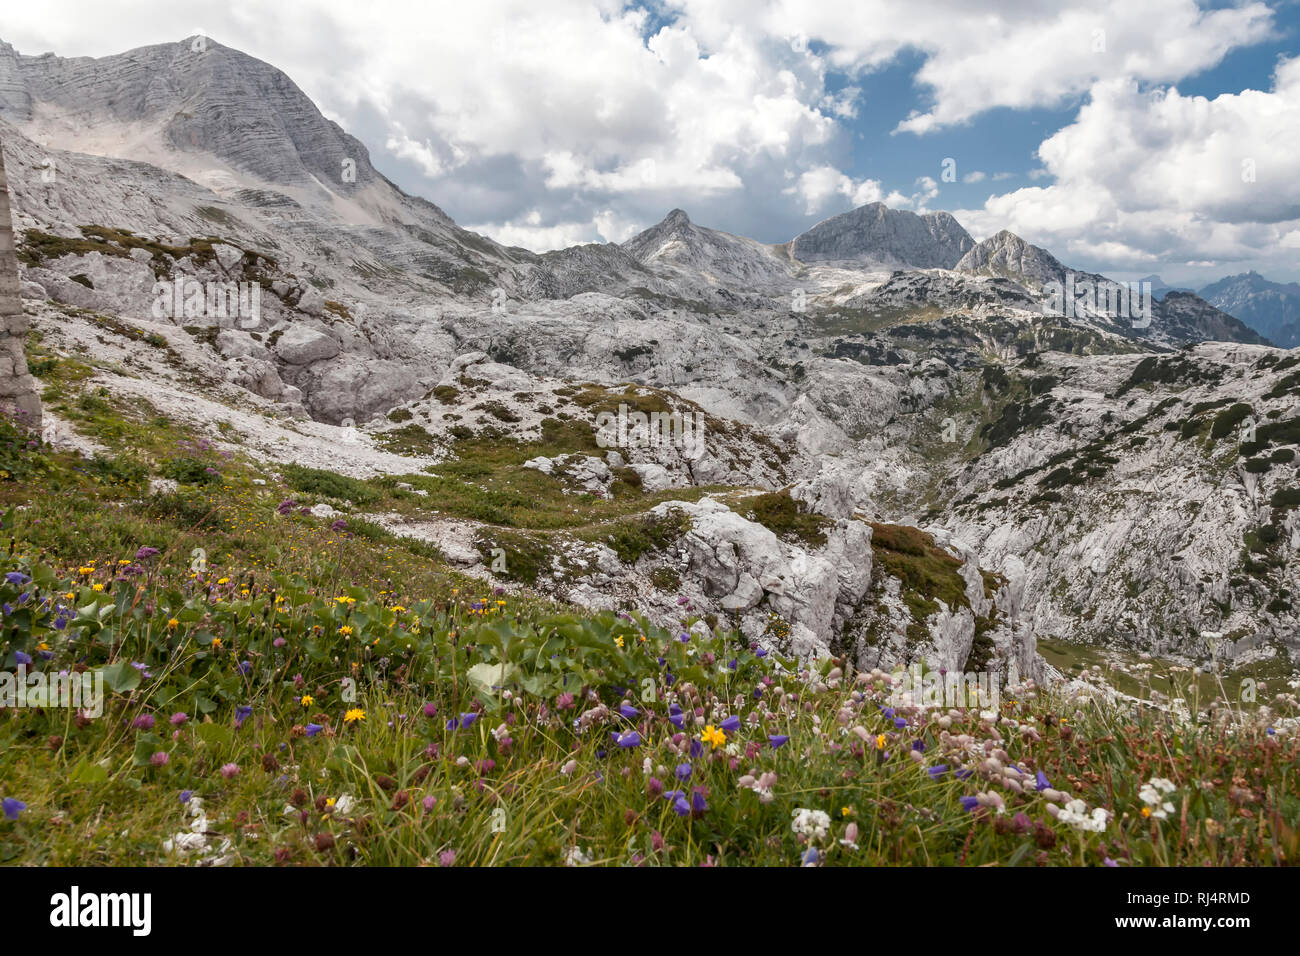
point(18, 393)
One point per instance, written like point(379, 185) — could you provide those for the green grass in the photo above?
point(352, 650)
point(786, 518)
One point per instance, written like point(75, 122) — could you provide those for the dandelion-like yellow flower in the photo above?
point(880, 741)
point(308, 700)
point(86, 569)
point(216, 642)
point(354, 715)
point(1146, 811)
point(345, 631)
point(344, 599)
point(846, 811)
point(714, 736)
point(223, 580)
point(172, 624)
point(97, 587)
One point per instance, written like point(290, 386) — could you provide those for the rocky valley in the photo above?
point(901, 450)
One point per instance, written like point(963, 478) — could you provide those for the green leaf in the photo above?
point(121, 677)
point(146, 745)
point(486, 678)
point(214, 735)
point(88, 773)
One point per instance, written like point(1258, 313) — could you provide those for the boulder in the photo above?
point(302, 345)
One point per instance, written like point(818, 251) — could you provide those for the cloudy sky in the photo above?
point(1129, 138)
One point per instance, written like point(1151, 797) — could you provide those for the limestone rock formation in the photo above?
point(18, 394)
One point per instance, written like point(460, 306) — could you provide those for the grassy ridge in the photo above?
point(287, 689)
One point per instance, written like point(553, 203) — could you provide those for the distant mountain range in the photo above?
point(1270, 308)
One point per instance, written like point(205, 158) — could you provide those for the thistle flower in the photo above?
point(143, 722)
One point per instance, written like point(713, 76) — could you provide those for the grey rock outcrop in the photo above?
point(18, 393)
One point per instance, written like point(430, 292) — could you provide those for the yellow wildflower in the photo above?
point(354, 715)
point(714, 735)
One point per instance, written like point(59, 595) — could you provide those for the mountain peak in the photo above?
point(876, 235)
point(677, 217)
point(194, 98)
point(1006, 254)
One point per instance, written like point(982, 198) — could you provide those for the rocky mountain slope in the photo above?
point(899, 448)
point(1270, 308)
